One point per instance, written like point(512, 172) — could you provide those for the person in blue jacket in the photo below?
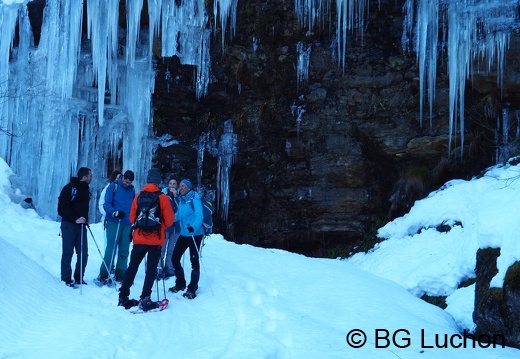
point(118, 201)
point(189, 214)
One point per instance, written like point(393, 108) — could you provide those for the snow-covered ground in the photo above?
point(265, 303)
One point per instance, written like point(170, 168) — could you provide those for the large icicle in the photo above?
point(226, 157)
point(8, 18)
point(184, 34)
point(102, 30)
point(43, 119)
point(476, 30)
point(227, 9)
point(133, 21)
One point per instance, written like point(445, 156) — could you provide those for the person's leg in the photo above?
point(161, 267)
point(195, 244)
point(67, 250)
point(169, 270)
point(178, 251)
point(109, 250)
point(123, 249)
point(82, 258)
point(154, 253)
point(138, 253)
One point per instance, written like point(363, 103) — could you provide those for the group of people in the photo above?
point(181, 229)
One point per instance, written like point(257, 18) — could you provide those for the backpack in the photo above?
point(73, 191)
point(148, 218)
point(207, 212)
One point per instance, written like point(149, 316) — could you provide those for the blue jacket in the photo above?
point(190, 212)
point(119, 201)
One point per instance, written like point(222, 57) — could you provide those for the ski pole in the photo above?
point(99, 251)
point(164, 285)
point(81, 261)
point(200, 262)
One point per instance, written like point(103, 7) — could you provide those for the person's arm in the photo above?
point(133, 211)
point(166, 210)
point(102, 201)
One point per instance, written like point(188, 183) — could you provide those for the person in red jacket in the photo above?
point(146, 243)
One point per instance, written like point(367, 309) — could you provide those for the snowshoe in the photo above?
point(127, 303)
point(155, 307)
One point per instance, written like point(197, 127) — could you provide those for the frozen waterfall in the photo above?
point(67, 103)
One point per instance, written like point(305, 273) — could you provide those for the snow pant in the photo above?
point(183, 243)
point(138, 253)
point(167, 252)
point(71, 240)
point(120, 238)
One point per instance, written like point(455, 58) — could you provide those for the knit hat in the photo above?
point(129, 175)
point(153, 176)
point(187, 183)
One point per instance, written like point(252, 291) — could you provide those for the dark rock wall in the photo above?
point(497, 310)
point(359, 137)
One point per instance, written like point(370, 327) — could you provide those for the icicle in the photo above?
point(226, 157)
point(228, 8)
point(517, 115)
point(200, 159)
point(475, 29)
point(8, 18)
point(133, 20)
point(102, 30)
point(184, 34)
point(505, 126)
point(302, 67)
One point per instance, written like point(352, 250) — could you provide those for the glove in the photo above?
point(190, 229)
point(118, 214)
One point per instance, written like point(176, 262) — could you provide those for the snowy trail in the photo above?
point(252, 303)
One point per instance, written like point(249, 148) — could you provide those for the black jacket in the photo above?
point(74, 200)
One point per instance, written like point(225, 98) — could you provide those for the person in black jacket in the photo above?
point(73, 207)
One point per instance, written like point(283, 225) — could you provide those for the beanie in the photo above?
point(153, 176)
point(187, 183)
point(129, 175)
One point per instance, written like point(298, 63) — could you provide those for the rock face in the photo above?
point(497, 310)
point(359, 156)
point(354, 159)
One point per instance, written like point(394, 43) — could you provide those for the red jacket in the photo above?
point(166, 220)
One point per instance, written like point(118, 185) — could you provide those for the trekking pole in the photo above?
point(163, 284)
point(81, 261)
point(99, 251)
point(200, 261)
point(112, 259)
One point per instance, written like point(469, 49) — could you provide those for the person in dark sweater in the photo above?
point(73, 207)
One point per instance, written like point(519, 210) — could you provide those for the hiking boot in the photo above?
point(70, 283)
point(176, 289)
point(147, 304)
point(127, 303)
point(190, 295)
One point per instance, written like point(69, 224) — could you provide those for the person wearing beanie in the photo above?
point(154, 176)
point(190, 216)
point(117, 203)
point(146, 243)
